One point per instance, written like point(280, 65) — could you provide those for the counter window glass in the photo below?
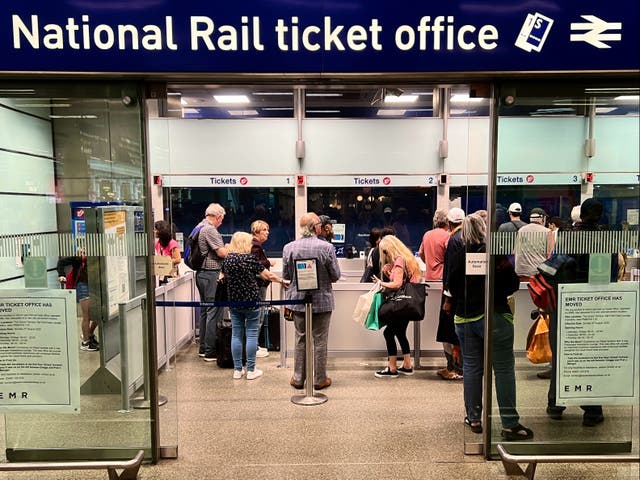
point(407, 209)
point(185, 207)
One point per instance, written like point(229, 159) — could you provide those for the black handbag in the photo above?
point(406, 303)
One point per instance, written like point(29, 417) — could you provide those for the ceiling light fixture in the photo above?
point(324, 95)
point(464, 98)
point(231, 98)
point(273, 94)
point(243, 113)
point(400, 99)
point(390, 112)
point(627, 97)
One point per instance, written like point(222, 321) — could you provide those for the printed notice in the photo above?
point(598, 344)
point(476, 264)
point(39, 351)
point(115, 229)
point(306, 274)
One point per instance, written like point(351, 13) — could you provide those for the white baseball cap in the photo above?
point(515, 207)
point(455, 215)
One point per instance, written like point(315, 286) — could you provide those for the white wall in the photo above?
point(27, 187)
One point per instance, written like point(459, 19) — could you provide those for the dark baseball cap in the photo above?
point(537, 213)
point(326, 220)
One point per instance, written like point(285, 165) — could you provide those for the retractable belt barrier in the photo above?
point(259, 303)
point(309, 397)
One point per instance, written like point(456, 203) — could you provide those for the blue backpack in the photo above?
point(193, 257)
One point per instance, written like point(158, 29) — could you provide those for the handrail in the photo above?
point(130, 467)
point(511, 467)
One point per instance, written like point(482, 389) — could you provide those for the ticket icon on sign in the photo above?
point(534, 32)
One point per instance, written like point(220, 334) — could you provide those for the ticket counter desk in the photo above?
point(349, 339)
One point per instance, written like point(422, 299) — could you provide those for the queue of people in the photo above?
point(390, 263)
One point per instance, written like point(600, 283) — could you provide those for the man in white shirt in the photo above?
point(534, 243)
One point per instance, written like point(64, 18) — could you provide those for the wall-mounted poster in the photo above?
point(39, 351)
point(598, 346)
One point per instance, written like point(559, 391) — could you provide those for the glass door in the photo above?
point(566, 202)
point(73, 271)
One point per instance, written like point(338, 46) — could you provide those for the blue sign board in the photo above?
point(312, 36)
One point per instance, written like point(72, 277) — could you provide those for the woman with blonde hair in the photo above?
point(242, 270)
point(398, 265)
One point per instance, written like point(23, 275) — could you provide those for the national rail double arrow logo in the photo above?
point(595, 33)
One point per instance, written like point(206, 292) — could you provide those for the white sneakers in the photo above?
point(252, 375)
point(238, 374)
point(262, 352)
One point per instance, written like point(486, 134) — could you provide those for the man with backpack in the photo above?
point(514, 224)
point(212, 249)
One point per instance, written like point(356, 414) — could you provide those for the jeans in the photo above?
point(320, 334)
point(244, 321)
point(589, 410)
point(207, 282)
point(471, 337)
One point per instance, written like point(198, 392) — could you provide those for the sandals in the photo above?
point(518, 432)
point(476, 427)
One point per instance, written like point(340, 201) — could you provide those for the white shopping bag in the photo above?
point(364, 304)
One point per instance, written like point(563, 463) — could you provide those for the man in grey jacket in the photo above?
point(309, 246)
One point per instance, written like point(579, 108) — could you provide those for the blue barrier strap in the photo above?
point(262, 303)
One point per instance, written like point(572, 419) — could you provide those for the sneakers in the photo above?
point(94, 340)
point(386, 373)
point(209, 357)
point(405, 371)
point(238, 374)
point(89, 346)
point(262, 352)
point(253, 374)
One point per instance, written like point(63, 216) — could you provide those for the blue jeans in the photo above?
point(471, 337)
point(244, 321)
point(207, 282)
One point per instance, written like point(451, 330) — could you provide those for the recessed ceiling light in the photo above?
point(231, 98)
point(324, 94)
point(628, 97)
point(390, 112)
point(277, 108)
point(400, 99)
point(273, 93)
point(464, 98)
point(243, 113)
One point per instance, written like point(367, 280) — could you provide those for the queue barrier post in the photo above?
point(309, 397)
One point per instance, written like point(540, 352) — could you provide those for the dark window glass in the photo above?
point(408, 209)
point(186, 207)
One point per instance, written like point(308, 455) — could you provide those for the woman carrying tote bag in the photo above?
point(398, 265)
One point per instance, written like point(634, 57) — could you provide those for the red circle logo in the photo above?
point(386, 180)
point(244, 180)
point(530, 178)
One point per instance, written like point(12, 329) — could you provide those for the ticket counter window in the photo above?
point(409, 210)
point(185, 208)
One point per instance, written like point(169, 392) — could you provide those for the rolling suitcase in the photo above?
point(224, 358)
point(270, 333)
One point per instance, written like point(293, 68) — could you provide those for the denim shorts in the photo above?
point(82, 291)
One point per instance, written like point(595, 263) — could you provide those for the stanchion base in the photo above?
point(315, 399)
point(141, 402)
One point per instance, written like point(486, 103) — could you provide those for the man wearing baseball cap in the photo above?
point(326, 228)
point(534, 244)
point(514, 224)
point(446, 332)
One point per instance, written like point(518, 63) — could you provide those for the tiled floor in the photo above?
point(404, 428)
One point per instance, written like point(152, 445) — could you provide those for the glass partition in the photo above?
point(73, 208)
point(567, 159)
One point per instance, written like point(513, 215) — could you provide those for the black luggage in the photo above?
point(269, 336)
point(224, 358)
